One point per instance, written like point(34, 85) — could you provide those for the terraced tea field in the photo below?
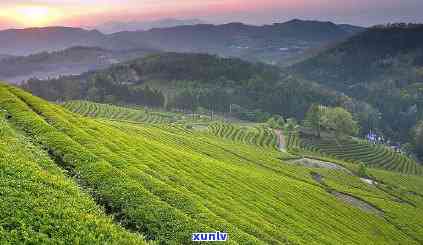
point(70, 179)
point(259, 136)
point(92, 109)
point(358, 151)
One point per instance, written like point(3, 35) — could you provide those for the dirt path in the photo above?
point(307, 162)
point(347, 198)
point(281, 140)
point(313, 163)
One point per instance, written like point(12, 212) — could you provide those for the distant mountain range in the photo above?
point(276, 44)
point(71, 61)
point(34, 40)
point(113, 27)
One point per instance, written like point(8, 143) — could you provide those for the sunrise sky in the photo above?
point(19, 13)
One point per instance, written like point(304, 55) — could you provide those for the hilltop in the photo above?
point(376, 54)
point(117, 26)
point(382, 66)
point(125, 182)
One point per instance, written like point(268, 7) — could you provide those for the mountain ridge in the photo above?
point(116, 26)
point(70, 61)
point(277, 43)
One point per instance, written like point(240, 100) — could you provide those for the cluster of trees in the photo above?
point(381, 67)
point(203, 68)
point(96, 88)
point(255, 99)
point(328, 119)
point(276, 122)
point(288, 125)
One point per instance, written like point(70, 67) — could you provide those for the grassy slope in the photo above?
point(40, 205)
point(166, 182)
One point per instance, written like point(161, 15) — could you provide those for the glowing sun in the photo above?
point(33, 16)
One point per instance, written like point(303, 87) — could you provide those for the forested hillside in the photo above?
point(382, 66)
point(194, 82)
point(165, 182)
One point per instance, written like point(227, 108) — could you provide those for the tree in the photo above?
point(291, 125)
point(417, 135)
point(272, 123)
point(314, 116)
point(362, 171)
point(276, 122)
point(340, 121)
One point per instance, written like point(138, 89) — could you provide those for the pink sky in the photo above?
point(18, 13)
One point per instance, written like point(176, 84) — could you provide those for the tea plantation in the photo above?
point(259, 136)
point(67, 179)
point(92, 109)
point(357, 151)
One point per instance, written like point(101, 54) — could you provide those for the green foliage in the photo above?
point(315, 117)
point(382, 67)
point(166, 182)
point(189, 81)
point(92, 109)
point(276, 122)
point(338, 120)
point(291, 126)
point(99, 87)
point(362, 171)
point(40, 205)
point(259, 136)
point(356, 151)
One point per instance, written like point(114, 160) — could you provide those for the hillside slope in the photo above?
point(166, 182)
point(372, 55)
point(189, 81)
point(41, 203)
point(382, 66)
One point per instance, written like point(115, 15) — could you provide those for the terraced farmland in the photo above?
point(358, 151)
point(106, 181)
point(41, 205)
point(259, 136)
point(92, 109)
